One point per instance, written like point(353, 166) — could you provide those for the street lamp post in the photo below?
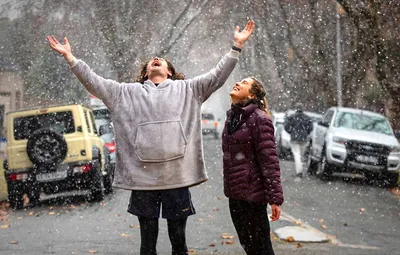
point(338, 57)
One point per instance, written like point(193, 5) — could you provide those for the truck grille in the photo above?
point(367, 153)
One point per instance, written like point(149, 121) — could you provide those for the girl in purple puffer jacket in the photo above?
point(251, 167)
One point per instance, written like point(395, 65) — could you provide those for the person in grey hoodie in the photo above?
point(158, 134)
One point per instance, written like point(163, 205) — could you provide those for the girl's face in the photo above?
point(240, 92)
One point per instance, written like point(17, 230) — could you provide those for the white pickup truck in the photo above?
point(354, 141)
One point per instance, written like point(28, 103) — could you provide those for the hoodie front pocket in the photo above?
point(160, 141)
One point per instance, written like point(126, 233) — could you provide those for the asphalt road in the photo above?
point(359, 218)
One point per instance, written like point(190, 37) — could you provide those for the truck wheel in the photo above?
point(15, 196)
point(324, 170)
point(390, 179)
point(97, 182)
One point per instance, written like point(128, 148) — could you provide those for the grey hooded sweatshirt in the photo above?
point(158, 128)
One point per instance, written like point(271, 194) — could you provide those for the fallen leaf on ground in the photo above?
point(323, 226)
point(31, 213)
point(299, 245)
point(92, 251)
point(13, 242)
point(211, 244)
point(131, 226)
point(201, 220)
point(226, 237)
point(52, 213)
point(321, 220)
point(297, 222)
point(219, 198)
point(4, 226)
point(362, 209)
point(289, 239)
point(215, 209)
point(230, 242)
point(124, 235)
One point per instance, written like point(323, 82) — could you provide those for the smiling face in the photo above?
point(241, 91)
point(157, 67)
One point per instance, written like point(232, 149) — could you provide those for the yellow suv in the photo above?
point(55, 149)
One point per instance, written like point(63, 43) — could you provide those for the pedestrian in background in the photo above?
point(251, 167)
point(299, 126)
point(158, 134)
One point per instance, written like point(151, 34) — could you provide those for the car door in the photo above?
point(320, 133)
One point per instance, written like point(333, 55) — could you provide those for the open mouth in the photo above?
point(236, 89)
point(156, 63)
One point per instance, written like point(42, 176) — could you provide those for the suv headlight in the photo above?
point(339, 140)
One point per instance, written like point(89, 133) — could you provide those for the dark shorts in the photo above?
point(174, 203)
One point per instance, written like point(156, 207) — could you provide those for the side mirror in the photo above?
point(105, 129)
point(322, 123)
point(397, 134)
point(5, 164)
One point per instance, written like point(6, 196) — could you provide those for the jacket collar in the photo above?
point(163, 84)
point(245, 109)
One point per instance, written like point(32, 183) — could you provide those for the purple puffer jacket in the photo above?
point(251, 165)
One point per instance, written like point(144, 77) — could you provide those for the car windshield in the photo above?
point(363, 122)
point(62, 122)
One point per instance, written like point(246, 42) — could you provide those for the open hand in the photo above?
point(241, 37)
point(276, 212)
point(63, 49)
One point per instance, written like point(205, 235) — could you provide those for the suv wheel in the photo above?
point(216, 134)
point(311, 164)
point(46, 147)
point(34, 195)
point(324, 170)
point(109, 178)
point(15, 196)
point(279, 149)
point(97, 182)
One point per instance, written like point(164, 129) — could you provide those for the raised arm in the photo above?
point(105, 89)
point(240, 38)
point(204, 85)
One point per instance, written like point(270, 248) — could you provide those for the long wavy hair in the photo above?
point(141, 77)
point(257, 90)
